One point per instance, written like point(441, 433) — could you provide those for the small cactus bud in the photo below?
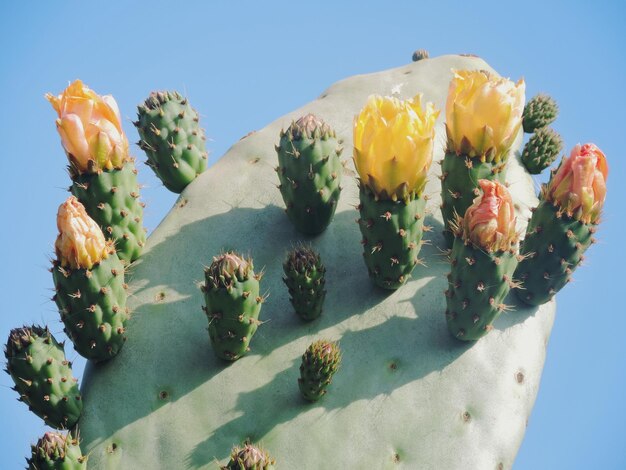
point(319, 363)
point(249, 457)
point(541, 150)
point(540, 111)
point(227, 266)
point(420, 54)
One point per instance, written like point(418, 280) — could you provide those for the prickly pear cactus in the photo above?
point(540, 111)
point(305, 279)
point(541, 150)
point(415, 396)
point(249, 457)
point(55, 451)
point(320, 361)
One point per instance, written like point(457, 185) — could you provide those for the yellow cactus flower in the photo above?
point(483, 114)
point(489, 222)
point(578, 186)
point(90, 129)
point(393, 145)
point(80, 243)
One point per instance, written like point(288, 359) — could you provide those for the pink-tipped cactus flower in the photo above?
point(489, 222)
point(578, 186)
point(90, 129)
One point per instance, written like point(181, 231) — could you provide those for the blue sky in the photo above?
point(243, 64)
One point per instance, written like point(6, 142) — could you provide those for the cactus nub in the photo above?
point(309, 170)
point(420, 54)
point(43, 376)
point(249, 457)
point(540, 111)
point(541, 150)
point(233, 303)
point(172, 139)
point(304, 277)
point(55, 451)
point(319, 363)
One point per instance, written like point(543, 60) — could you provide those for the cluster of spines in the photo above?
point(172, 139)
point(249, 457)
point(309, 170)
point(43, 376)
point(319, 363)
point(56, 451)
point(233, 302)
point(305, 279)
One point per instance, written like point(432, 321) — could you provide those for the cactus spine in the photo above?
point(319, 363)
point(43, 377)
point(172, 138)
point(55, 451)
point(309, 170)
point(541, 150)
point(233, 303)
point(249, 457)
point(305, 279)
point(540, 111)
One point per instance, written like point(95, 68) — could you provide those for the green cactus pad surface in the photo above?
point(459, 185)
point(541, 150)
point(408, 394)
point(553, 248)
point(43, 377)
point(92, 304)
point(304, 277)
point(392, 237)
point(477, 286)
point(172, 138)
point(111, 198)
point(56, 451)
point(309, 170)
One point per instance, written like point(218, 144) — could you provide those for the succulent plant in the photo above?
point(541, 150)
point(483, 258)
point(319, 363)
point(233, 303)
point(249, 457)
point(89, 283)
point(305, 279)
point(43, 376)
point(478, 142)
point(55, 451)
point(563, 224)
point(309, 170)
point(172, 138)
point(393, 151)
point(540, 111)
point(104, 178)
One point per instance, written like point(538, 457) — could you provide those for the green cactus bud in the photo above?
point(43, 376)
point(304, 273)
point(172, 139)
point(249, 457)
point(319, 363)
point(420, 54)
point(55, 451)
point(233, 303)
point(540, 111)
point(309, 170)
point(541, 150)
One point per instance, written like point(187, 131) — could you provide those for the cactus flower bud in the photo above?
point(80, 243)
point(578, 186)
point(483, 114)
point(227, 266)
point(90, 129)
point(393, 145)
point(489, 222)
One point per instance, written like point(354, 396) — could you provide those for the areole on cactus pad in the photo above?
point(407, 393)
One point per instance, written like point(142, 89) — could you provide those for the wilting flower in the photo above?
point(393, 145)
point(90, 129)
point(80, 243)
point(489, 222)
point(483, 114)
point(578, 186)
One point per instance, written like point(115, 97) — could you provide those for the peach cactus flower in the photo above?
point(578, 186)
point(90, 129)
point(483, 114)
point(80, 243)
point(393, 145)
point(489, 222)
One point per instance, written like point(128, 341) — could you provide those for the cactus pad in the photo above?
point(408, 394)
point(56, 451)
point(111, 198)
point(172, 138)
point(43, 376)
